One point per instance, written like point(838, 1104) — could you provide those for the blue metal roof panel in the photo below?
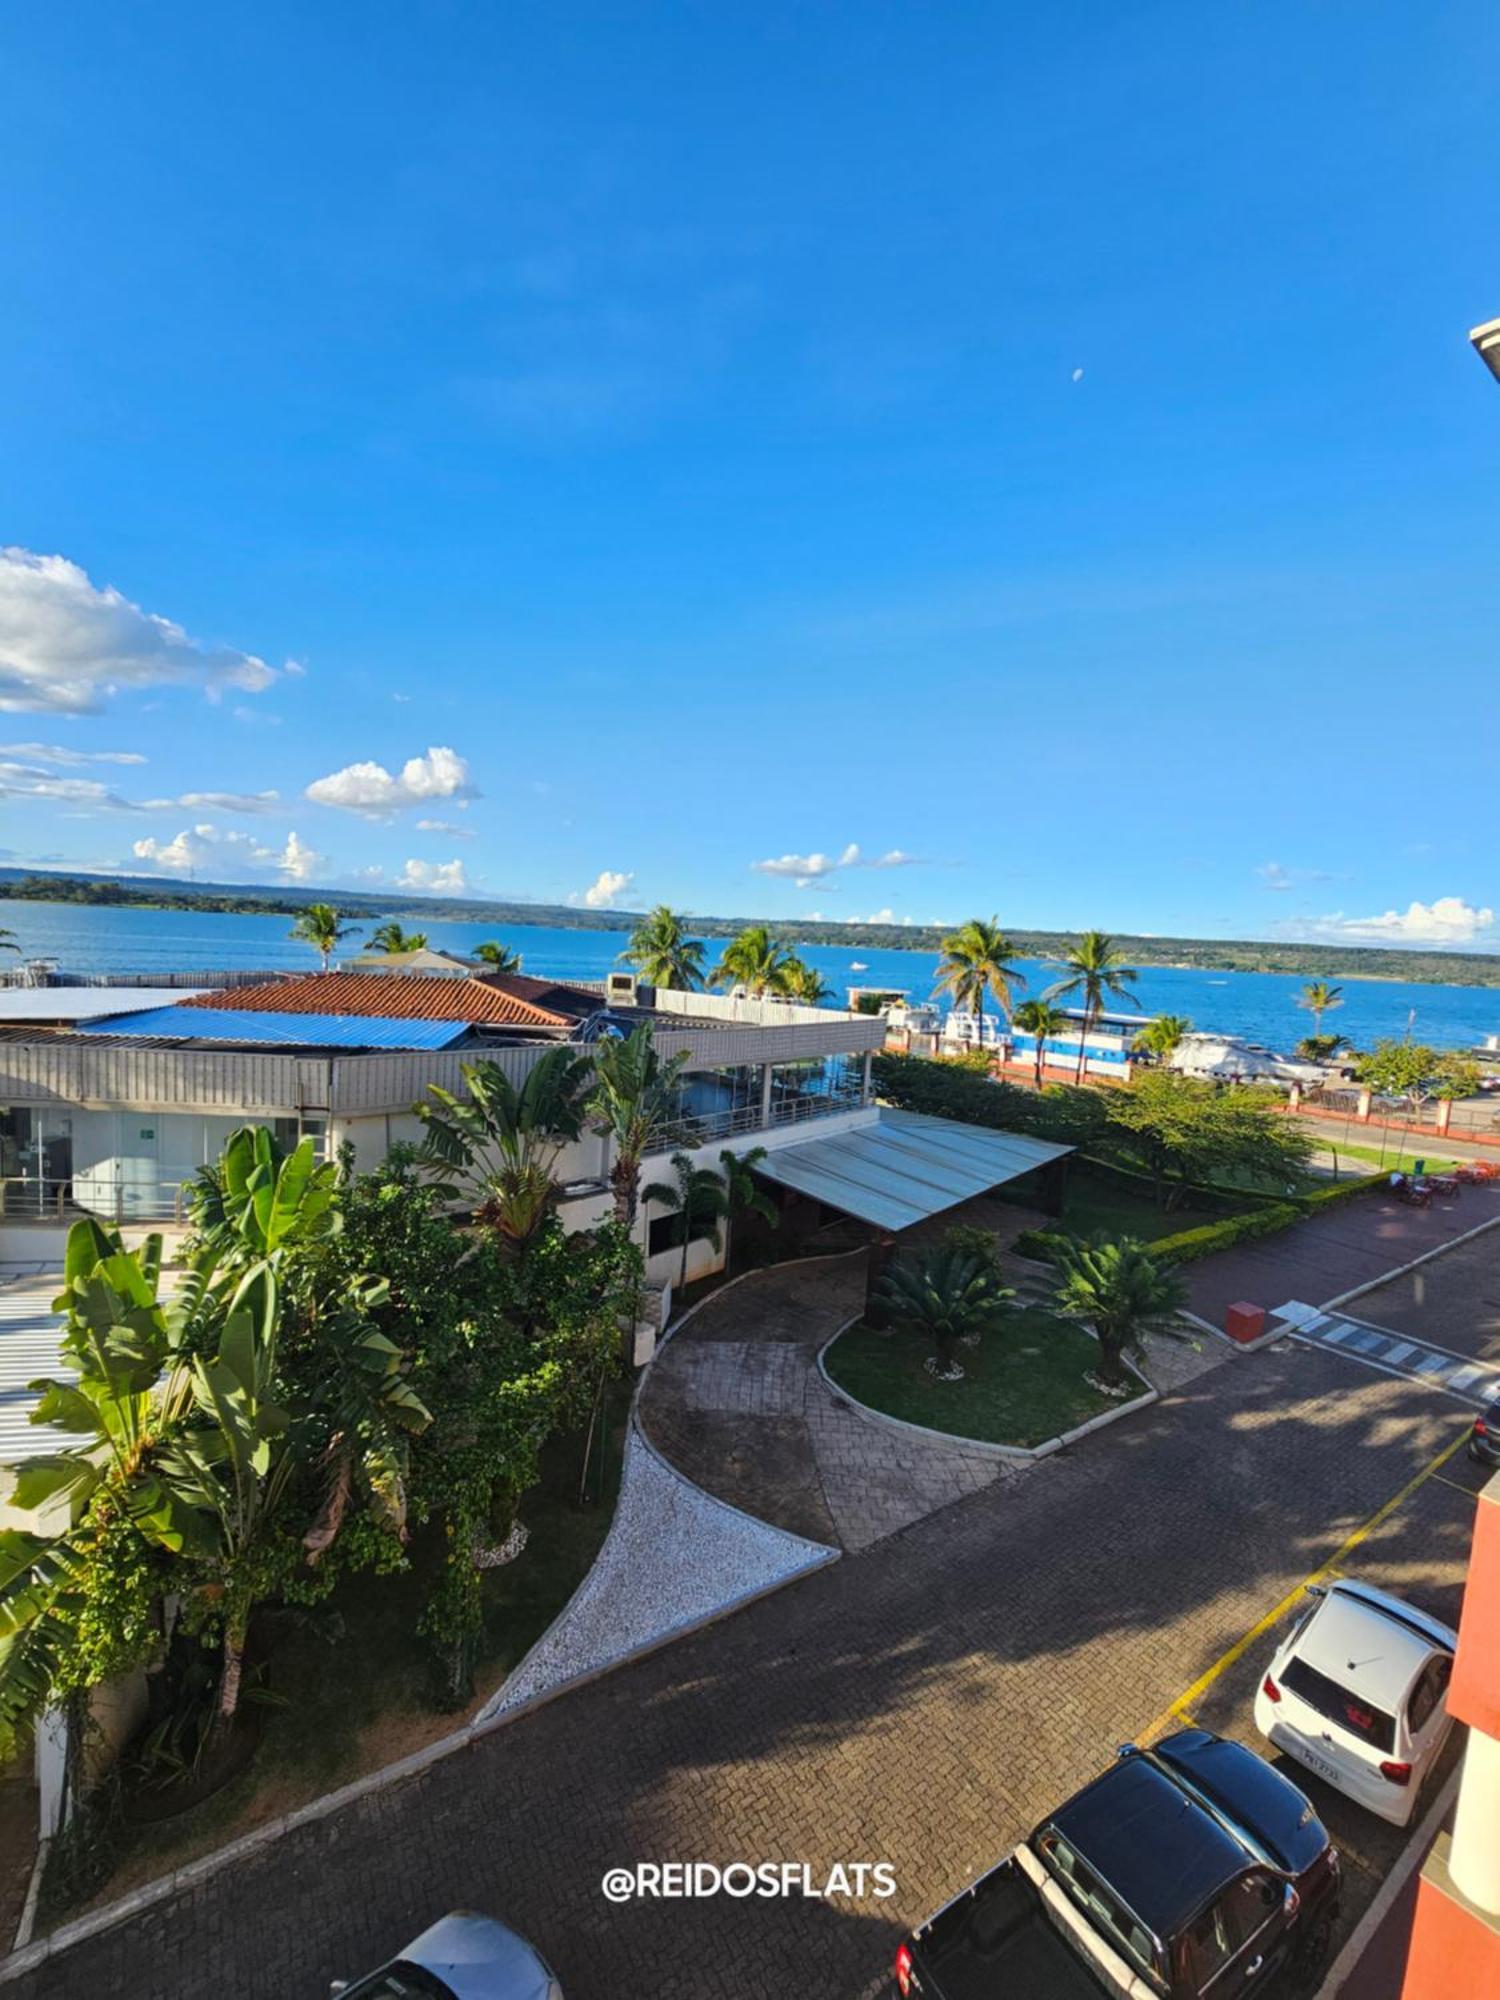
point(331, 1031)
point(906, 1167)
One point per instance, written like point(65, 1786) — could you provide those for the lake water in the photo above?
point(1259, 1005)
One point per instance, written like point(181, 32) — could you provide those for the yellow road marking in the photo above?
point(1177, 1713)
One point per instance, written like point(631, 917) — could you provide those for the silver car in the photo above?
point(460, 1957)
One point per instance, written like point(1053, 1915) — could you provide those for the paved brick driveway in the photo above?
point(1454, 1301)
point(920, 1703)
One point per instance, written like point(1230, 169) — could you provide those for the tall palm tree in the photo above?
point(1319, 998)
point(319, 926)
point(634, 1096)
point(391, 941)
point(755, 961)
point(1096, 969)
point(502, 1143)
point(1122, 1292)
point(698, 1198)
point(977, 960)
point(948, 1294)
point(1163, 1036)
point(662, 952)
point(804, 982)
point(1046, 1022)
point(498, 957)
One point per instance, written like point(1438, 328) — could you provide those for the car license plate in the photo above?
point(1321, 1765)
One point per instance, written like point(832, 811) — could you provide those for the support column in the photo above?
point(865, 1086)
point(1444, 1113)
point(880, 1253)
point(765, 1095)
point(1455, 1943)
point(1362, 1113)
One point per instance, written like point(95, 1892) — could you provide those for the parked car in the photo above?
point(1184, 1871)
point(1358, 1693)
point(460, 1957)
point(1484, 1439)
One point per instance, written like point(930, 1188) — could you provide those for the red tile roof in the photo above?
point(491, 1000)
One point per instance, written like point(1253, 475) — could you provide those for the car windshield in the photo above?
point(1338, 1705)
point(400, 1982)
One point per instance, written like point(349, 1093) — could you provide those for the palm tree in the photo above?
point(1163, 1036)
point(391, 941)
point(1121, 1291)
point(662, 952)
point(699, 1200)
point(498, 957)
point(755, 961)
point(977, 960)
point(1319, 998)
point(1095, 968)
point(319, 926)
point(947, 1294)
point(634, 1096)
point(8, 941)
point(805, 983)
point(1046, 1022)
point(743, 1195)
point(501, 1143)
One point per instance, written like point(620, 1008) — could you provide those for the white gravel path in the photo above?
point(674, 1558)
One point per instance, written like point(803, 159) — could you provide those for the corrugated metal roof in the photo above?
point(327, 1031)
point(30, 1347)
point(905, 1167)
point(84, 1003)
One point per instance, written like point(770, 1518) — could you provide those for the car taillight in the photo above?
point(1481, 1428)
point(1396, 1774)
point(903, 1967)
point(1269, 1689)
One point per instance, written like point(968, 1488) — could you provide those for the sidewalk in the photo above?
point(1350, 1244)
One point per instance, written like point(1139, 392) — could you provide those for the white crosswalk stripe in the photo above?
point(1474, 1382)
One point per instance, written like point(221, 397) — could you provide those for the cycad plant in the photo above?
point(950, 1294)
point(1117, 1288)
point(1094, 970)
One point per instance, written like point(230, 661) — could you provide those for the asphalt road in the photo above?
point(920, 1704)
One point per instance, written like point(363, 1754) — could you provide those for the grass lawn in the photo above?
point(359, 1685)
point(1399, 1153)
point(1021, 1386)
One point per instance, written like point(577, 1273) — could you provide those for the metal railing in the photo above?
point(703, 1128)
point(25, 1198)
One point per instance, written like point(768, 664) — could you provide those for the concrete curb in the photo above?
point(1410, 1860)
point(1427, 1257)
point(1026, 1454)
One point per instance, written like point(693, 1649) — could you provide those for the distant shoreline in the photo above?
point(1345, 962)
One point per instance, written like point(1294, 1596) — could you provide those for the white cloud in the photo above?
point(66, 646)
point(445, 826)
point(32, 781)
point(605, 890)
point(1274, 876)
point(370, 789)
point(206, 848)
point(55, 753)
point(1448, 920)
point(434, 878)
point(226, 802)
point(805, 869)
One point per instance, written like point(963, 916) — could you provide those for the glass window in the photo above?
point(1099, 1905)
point(1248, 1906)
point(1432, 1684)
point(1339, 1706)
point(400, 1982)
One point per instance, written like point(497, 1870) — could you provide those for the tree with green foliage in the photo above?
point(634, 1097)
point(976, 961)
point(1320, 1048)
point(319, 926)
point(755, 961)
point(1417, 1074)
point(392, 942)
point(498, 1145)
point(1319, 998)
point(743, 1193)
point(950, 1294)
point(1186, 1131)
point(805, 983)
point(1162, 1037)
point(1043, 1021)
point(697, 1200)
point(1120, 1291)
point(662, 952)
point(1094, 970)
point(496, 957)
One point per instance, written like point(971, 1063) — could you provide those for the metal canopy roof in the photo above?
point(309, 1031)
point(906, 1167)
point(46, 1004)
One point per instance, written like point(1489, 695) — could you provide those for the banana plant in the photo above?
point(256, 1202)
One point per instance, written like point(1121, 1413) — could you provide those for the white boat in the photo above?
point(858, 965)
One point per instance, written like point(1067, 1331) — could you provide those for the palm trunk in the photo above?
point(234, 1668)
point(623, 1177)
point(686, 1242)
point(1083, 1036)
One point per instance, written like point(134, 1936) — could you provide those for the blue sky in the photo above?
point(971, 458)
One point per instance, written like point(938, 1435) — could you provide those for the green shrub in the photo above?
point(962, 1089)
point(1188, 1245)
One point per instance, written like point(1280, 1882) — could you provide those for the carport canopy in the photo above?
point(905, 1167)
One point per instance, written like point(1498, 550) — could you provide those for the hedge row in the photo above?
point(1067, 1116)
point(1188, 1245)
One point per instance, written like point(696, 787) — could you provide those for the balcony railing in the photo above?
point(703, 1128)
point(27, 1199)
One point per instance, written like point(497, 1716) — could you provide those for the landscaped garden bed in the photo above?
point(1020, 1386)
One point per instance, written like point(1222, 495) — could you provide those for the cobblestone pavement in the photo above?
point(1454, 1301)
point(1346, 1245)
point(922, 1703)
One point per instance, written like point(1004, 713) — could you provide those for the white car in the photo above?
point(1358, 1693)
point(460, 1957)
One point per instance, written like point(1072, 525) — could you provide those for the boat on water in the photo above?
point(858, 965)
